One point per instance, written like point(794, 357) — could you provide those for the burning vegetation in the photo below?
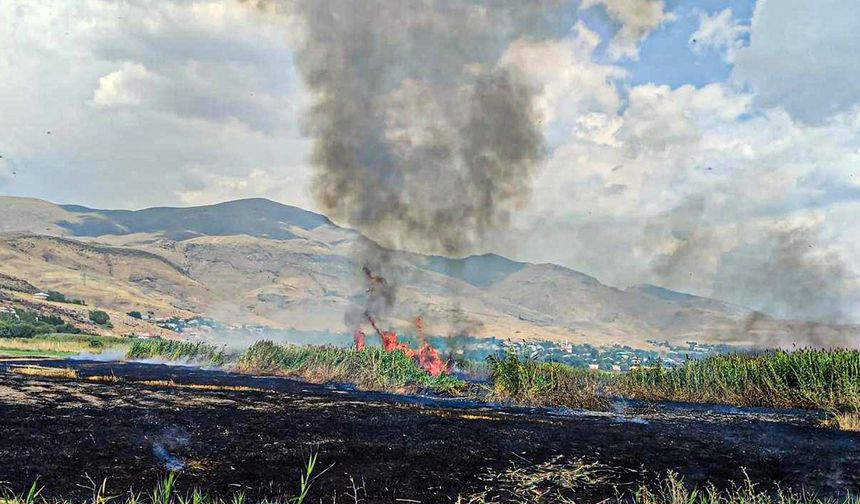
point(427, 357)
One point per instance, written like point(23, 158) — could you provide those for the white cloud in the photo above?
point(688, 186)
point(802, 57)
point(122, 87)
point(571, 83)
point(638, 18)
point(719, 32)
point(279, 183)
point(130, 96)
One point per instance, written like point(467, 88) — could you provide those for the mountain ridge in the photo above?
point(258, 261)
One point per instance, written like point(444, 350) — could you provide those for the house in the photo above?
point(593, 367)
point(41, 295)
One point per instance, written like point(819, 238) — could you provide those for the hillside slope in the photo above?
point(258, 262)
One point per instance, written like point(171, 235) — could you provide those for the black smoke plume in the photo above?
point(422, 140)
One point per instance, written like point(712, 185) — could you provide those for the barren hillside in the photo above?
point(258, 262)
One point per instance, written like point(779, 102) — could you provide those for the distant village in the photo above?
point(615, 358)
point(618, 358)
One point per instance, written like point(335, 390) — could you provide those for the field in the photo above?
point(234, 425)
point(60, 345)
point(806, 379)
point(225, 433)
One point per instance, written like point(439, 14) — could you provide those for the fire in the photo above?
point(359, 338)
point(427, 356)
point(431, 361)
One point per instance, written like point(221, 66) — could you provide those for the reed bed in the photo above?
point(198, 353)
point(533, 383)
point(806, 378)
point(371, 368)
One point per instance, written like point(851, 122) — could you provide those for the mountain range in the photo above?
point(260, 262)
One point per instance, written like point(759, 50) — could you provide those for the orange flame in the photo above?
point(431, 361)
point(359, 338)
point(427, 356)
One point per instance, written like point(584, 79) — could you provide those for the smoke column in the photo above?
point(422, 140)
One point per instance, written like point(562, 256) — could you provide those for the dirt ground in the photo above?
point(257, 438)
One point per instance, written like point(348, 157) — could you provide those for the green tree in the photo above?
point(17, 330)
point(135, 314)
point(56, 296)
point(99, 317)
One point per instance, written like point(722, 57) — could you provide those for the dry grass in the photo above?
point(45, 345)
point(564, 482)
point(44, 371)
point(69, 373)
point(61, 344)
point(195, 386)
point(111, 378)
point(844, 421)
point(553, 482)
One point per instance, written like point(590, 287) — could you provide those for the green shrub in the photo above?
point(55, 296)
point(135, 314)
point(17, 330)
point(26, 324)
point(99, 317)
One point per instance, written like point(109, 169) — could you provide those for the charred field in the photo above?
point(226, 432)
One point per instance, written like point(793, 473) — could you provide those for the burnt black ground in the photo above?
point(423, 449)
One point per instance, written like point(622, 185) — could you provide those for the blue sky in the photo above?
point(665, 56)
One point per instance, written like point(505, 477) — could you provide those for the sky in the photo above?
point(707, 146)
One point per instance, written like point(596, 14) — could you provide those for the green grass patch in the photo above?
point(808, 379)
point(11, 352)
point(58, 345)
